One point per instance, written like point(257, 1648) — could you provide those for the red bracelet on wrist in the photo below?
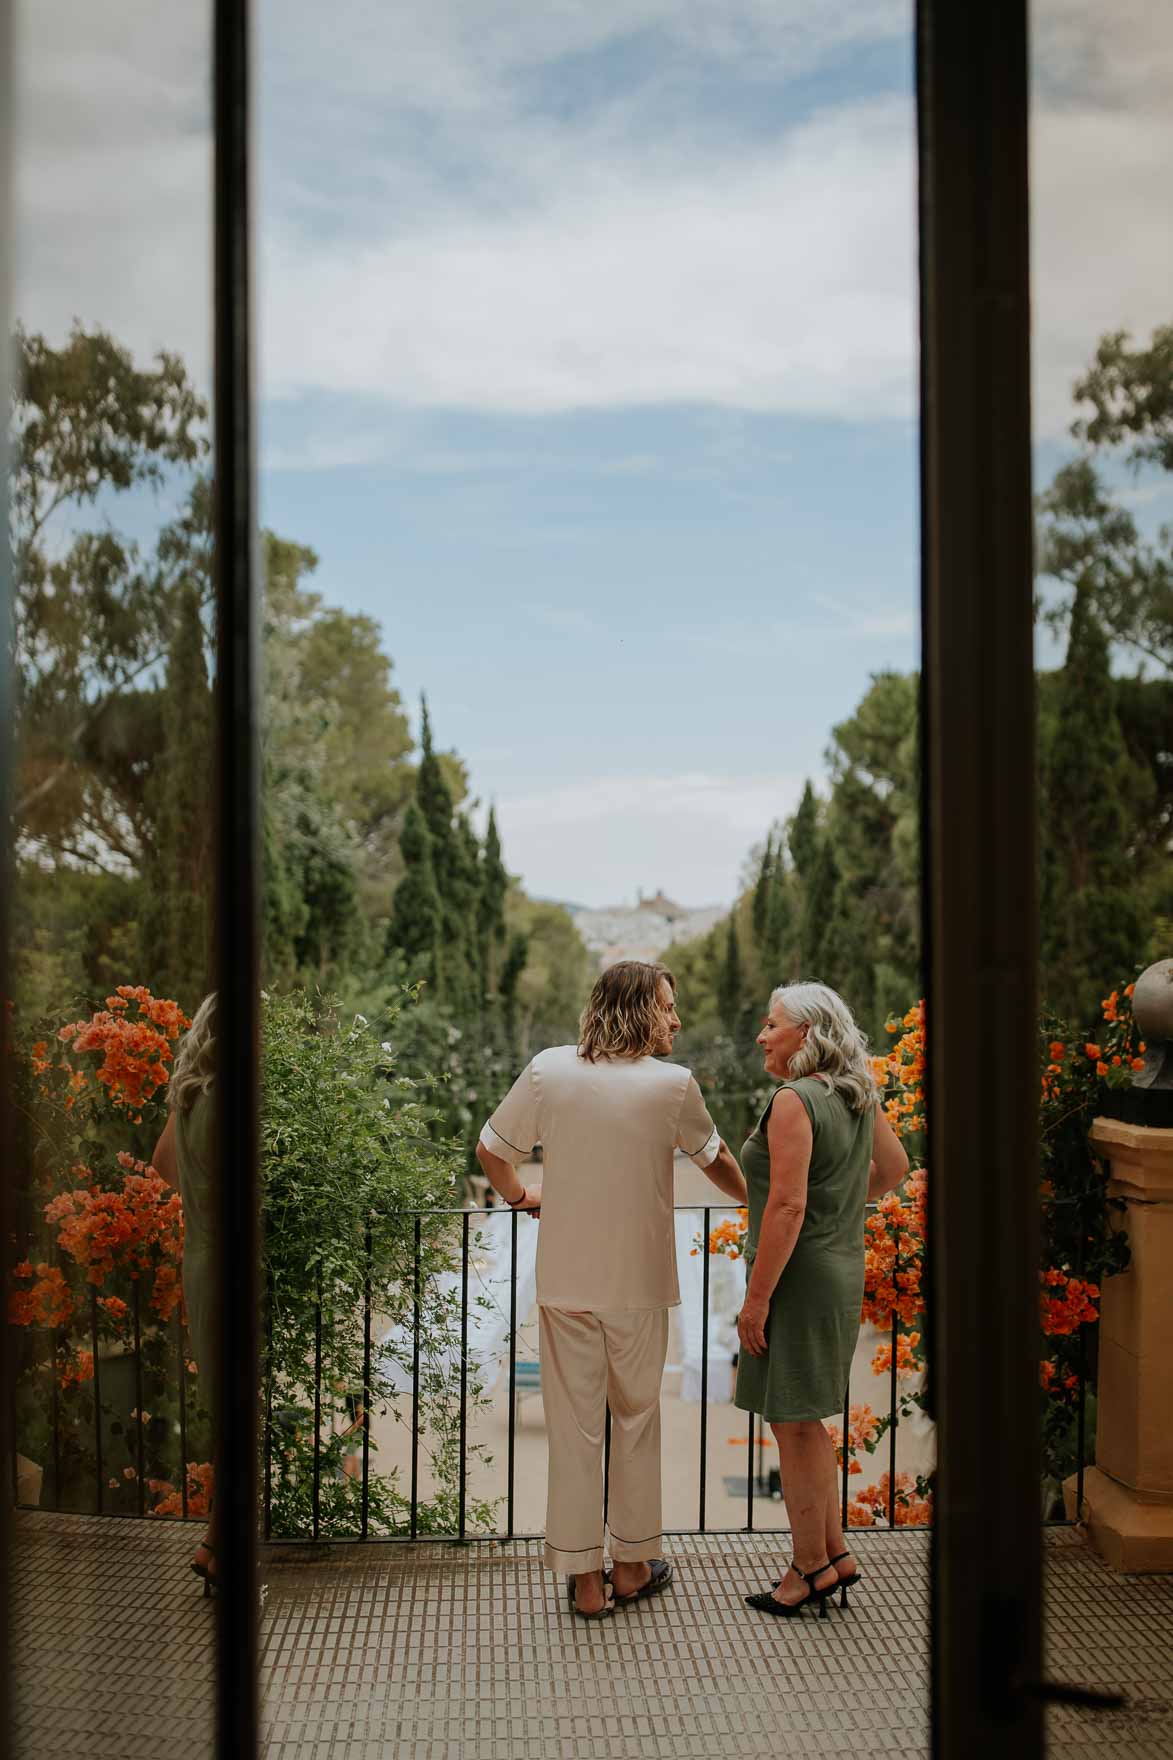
point(516, 1203)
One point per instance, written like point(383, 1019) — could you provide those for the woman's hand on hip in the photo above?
point(751, 1326)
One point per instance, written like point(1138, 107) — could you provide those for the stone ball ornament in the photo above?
point(1152, 1009)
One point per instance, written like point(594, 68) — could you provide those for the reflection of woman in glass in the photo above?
point(185, 1156)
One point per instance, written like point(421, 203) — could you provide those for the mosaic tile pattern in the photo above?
point(439, 1653)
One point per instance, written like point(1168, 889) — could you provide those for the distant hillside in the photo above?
point(642, 931)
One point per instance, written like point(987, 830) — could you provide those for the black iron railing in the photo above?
point(757, 1483)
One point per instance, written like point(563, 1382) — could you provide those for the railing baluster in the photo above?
point(750, 1472)
point(893, 1410)
point(100, 1486)
point(463, 1490)
point(606, 1462)
point(512, 1371)
point(182, 1412)
point(704, 1462)
point(366, 1386)
point(1081, 1412)
point(56, 1421)
point(846, 1463)
point(268, 1517)
point(415, 1389)
point(317, 1504)
point(139, 1395)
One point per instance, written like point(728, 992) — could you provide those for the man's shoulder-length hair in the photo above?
point(622, 1017)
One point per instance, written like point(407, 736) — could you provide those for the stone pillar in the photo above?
point(1128, 1494)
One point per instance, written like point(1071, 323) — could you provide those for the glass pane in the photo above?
point(589, 472)
point(1103, 393)
point(112, 906)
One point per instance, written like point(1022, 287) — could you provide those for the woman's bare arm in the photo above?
point(889, 1161)
point(790, 1141)
point(163, 1158)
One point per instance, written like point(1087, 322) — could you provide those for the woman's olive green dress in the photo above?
point(813, 1323)
point(195, 1153)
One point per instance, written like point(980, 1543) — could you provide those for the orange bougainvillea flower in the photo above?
point(47, 1303)
point(200, 1484)
point(137, 1231)
point(134, 1034)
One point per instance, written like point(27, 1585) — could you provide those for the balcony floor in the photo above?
point(439, 1653)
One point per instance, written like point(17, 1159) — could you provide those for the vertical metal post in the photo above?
point(978, 862)
point(510, 1470)
point(237, 890)
point(98, 1475)
point(268, 1491)
point(317, 1493)
point(366, 1386)
point(893, 1391)
point(749, 1471)
point(606, 1462)
point(9, 1144)
point(182, 1413)
point(415, 1389)
point(462, 1502)
point(55, 1417)
point(704, 1462)
point(845, 1467)
point(1081, 1392)
point(139, 1396)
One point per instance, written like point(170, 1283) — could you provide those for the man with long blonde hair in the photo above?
point(609, 1115)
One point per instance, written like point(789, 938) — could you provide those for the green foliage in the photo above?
point(1093, 795)
point(175, 919)
point(729, 996)
point(416, 923)
point(348, 1158)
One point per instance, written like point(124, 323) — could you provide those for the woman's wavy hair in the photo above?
point(622, 1017)
point(195, 1059)
point(834, 1045)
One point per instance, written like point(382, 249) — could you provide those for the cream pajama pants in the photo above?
point(590, 1361)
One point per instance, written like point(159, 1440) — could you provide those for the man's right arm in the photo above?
point(727, 1176)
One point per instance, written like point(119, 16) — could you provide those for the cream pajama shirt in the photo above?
point(606, 1277)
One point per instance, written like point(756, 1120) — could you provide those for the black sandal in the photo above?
point(855, 1577)
point(767, 1601)
point(604, 1612)
point(201, 1570)
point(658, 1581)
point(844, 1582)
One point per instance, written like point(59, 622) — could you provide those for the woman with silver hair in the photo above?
point(185, 1155)
point(821, 1149)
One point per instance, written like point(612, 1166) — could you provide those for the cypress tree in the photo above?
point(804, 836)
point(416, 917)
point(491, 906)
point(761, 892)
point(1090, 921)
point(175, 927)
point(729, 988)
point(820, 905)
point(778, 937)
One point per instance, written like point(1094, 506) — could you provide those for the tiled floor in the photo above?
point(435, 1653)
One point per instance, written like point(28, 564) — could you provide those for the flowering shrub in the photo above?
point(98, 1294)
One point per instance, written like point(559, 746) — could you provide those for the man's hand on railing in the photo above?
point(531, 1205)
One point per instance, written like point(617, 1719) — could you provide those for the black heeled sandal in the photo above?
point(211, 1587)
point(844, 1582)
point(854, 1578)
point(767, 1601)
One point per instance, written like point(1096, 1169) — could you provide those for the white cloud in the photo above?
point(782, 280)
point(480, 205)
point(591, 841)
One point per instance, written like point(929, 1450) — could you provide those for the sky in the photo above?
point(587, 355)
